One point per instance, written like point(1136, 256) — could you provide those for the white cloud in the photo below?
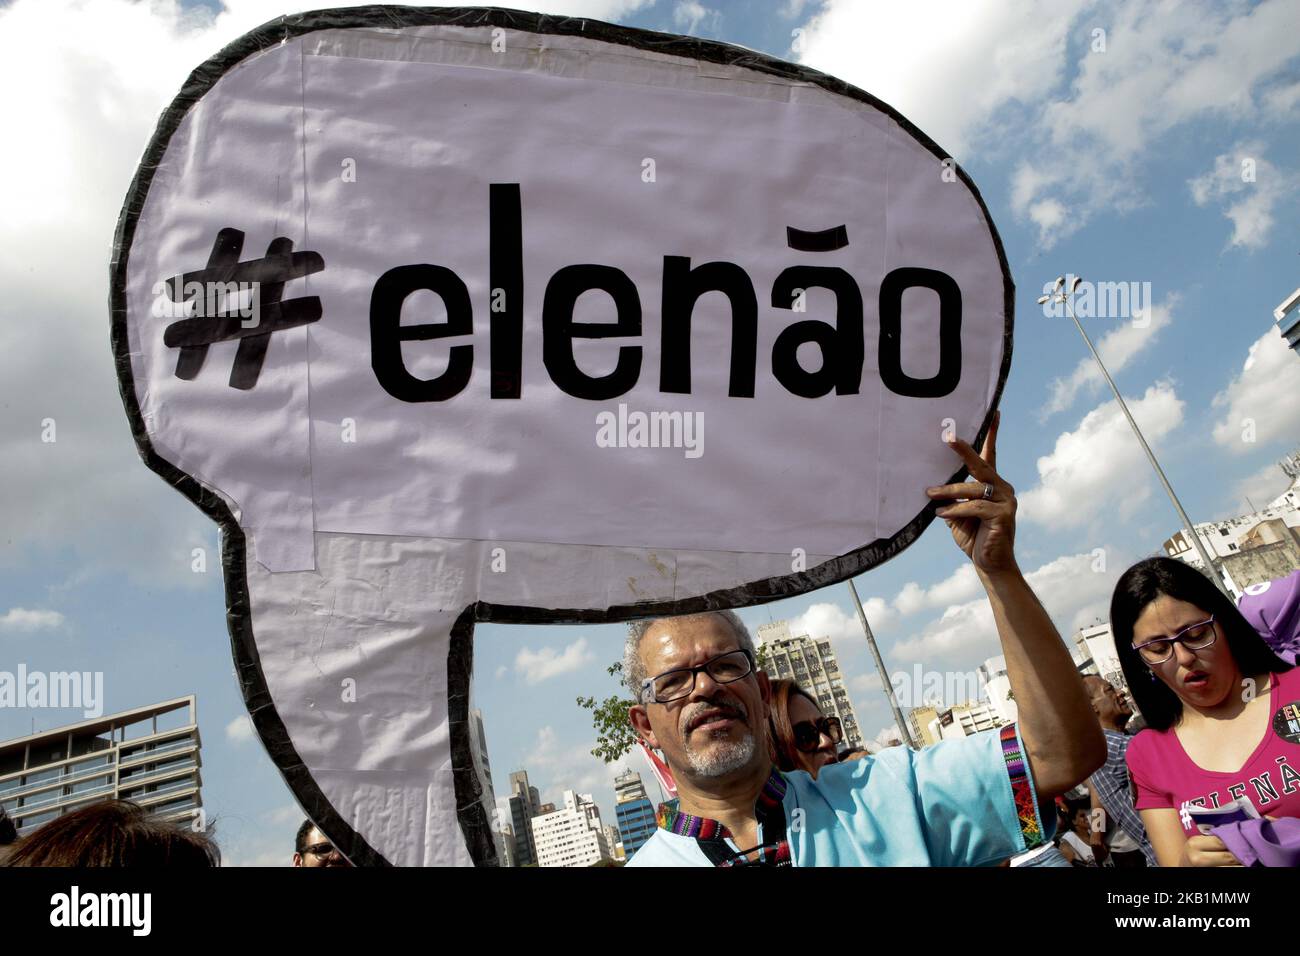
point(1029, 77)
point(554, 767)
point(24, 621)
point(240, 730)
point(1118, 347)
point(1259, 487)
point(866, 683)
point(1158, 71)
point(829, 620)
point(1073, 588)
point(688, 15)
point(502, 671)
point(285, 815)
point(961, 585)
point(95, 75)
point(947, 67)
point(1249, 187)
point(1099, 468)
point(1261, 399)
point(541, 665)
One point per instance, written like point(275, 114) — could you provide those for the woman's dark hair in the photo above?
point(114, 833)
point(1142, 584)
point(785, 754)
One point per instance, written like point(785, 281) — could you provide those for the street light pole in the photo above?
point(885, 682)
point(1062, 296)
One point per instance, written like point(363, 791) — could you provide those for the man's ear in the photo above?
point(765, 688)
point(640, 720)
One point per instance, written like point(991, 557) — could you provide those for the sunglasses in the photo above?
point(320, 849)
point(808, 733)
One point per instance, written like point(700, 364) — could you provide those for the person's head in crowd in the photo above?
point(8, 835)
point(1112, 710)
point(114, 833)
point(312, 848)
point(802, 738)
point(700, 697)
point(854, 753)
point(1162, 598)
point(1080, 818)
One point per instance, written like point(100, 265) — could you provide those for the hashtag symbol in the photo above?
point(268, 275)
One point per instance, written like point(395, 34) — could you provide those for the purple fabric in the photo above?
point(1273, 609)
point(1263, 842)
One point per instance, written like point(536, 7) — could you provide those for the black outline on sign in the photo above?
point(261, 707)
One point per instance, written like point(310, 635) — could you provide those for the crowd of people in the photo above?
point(1201, 768)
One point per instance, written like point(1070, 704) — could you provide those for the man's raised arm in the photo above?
point(1062, 739)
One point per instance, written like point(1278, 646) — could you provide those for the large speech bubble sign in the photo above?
point(458, 315)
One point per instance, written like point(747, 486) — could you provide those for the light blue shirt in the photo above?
point(950, 804)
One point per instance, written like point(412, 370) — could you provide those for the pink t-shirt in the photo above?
point(1164, 776)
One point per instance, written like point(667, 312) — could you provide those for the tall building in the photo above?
point(920, 719)
point(524, 803)
point(614, 843)
point(1250, 548)
point(572, 835)
point(812, 665)
point(1287, 316)
point(149, 755)
point(635, 812)
point(1096, 644)
point(997, 688)
point(506, 836)
point(965, 719)
point(478, 747)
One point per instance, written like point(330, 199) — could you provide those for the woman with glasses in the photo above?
point(1216, 701)
point(802, 739)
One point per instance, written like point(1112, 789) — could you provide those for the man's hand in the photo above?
point(1206, 850)
point(1063, 742)
point(983, 522)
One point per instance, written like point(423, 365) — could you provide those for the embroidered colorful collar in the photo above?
point(702, 828)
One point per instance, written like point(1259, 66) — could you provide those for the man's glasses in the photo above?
point(808, 733)
point(676, 684)
point(1193, 637)
point(320, 849)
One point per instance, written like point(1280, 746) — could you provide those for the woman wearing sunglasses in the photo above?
point(1216, 700)
point(802, 739)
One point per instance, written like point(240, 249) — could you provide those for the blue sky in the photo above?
point(1117, 156)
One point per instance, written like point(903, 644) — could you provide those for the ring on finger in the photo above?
point(988, 491)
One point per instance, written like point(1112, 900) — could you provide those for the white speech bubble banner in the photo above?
point(468, 314)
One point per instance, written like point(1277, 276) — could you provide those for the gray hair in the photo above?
point(634, 668)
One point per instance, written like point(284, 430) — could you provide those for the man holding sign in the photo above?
point(971, 802)
point(395, 293)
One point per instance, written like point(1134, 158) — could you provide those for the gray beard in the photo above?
point(722, 759)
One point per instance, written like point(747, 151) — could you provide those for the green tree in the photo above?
point(614, 734)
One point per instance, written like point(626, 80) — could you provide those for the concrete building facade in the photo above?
point(149, 755)
point(812, 665)
point(634, 812)
point(571, 835)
